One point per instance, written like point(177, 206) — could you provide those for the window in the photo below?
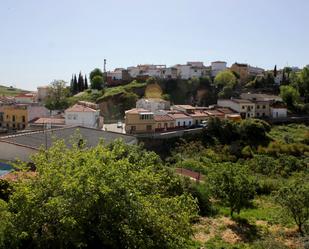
point(257, 107)
point(23, 126)
point(242, 107)
point(189, 122)
point(24, 119)
point(178, 124)
point(263, 114)
point(159, 125)
point(149, 127)
point(133, 128)
point(69, 116)
point(14, 126)
point(258, 114)
point(184, 123)
point(75, 116)
point(264, 106)
point(13, 118)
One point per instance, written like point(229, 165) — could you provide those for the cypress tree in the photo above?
point(75, 85)
point(72, 85)
point(275, 71)
point(86, 82)
point(80, 82)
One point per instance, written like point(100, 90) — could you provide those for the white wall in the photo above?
point(187, 121)
point(217, 67)
point(152, 105)
point(86, 119)
point(11, 152)
point(278, 112)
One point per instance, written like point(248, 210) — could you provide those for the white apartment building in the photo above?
point(84, 114)
point(190, 70)
point(146, 70)
point(217, 67)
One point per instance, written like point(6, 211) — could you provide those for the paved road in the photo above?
point(113, 128)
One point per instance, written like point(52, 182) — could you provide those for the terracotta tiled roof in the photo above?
point(198, 114)
point(137, 110)
point(80, 108)
point(225, 110)
point(163, 118)
point(176, 115)
point(59, 121)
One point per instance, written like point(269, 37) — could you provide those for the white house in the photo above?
point(181, 119)
point(153, 104)
point(278, 110)
point(84, 114)
point(244, 107)
point(217, 67)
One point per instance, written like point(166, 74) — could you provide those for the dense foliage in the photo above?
point(114, 196)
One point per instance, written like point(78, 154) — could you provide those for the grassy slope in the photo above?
point(251, 228)
point(263, 225)
point(7, 91)
point(292, 132)
point(111, 91)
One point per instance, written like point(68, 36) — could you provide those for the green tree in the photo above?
point(289, 95)
point(109, 196)
point(294, 198)
point(231, 184)
point(254, 131)
point(80, 83)
point(58, 95)
point(86, 82)
point(95, 72)
point(225, 78)
point(97, 82)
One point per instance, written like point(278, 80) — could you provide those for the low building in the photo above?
point(26, 98)
point(117, 77)
point(198, 116)
point(139, 120)
point(164, 122)
point(153, 104)
point(262, 102)
point(182, 120)
point(84, 114)
point(22, 146)
point(17, 116)
point(278, 110)
point(244, 107)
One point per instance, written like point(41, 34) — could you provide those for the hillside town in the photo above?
point(154, 124)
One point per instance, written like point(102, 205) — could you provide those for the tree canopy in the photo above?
point(110, 196)
point(57, 96)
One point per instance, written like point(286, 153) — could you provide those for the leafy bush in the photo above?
point(115, 196)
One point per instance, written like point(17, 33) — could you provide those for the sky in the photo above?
point(45, 40)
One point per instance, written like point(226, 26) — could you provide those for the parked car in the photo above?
point(119, 124)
